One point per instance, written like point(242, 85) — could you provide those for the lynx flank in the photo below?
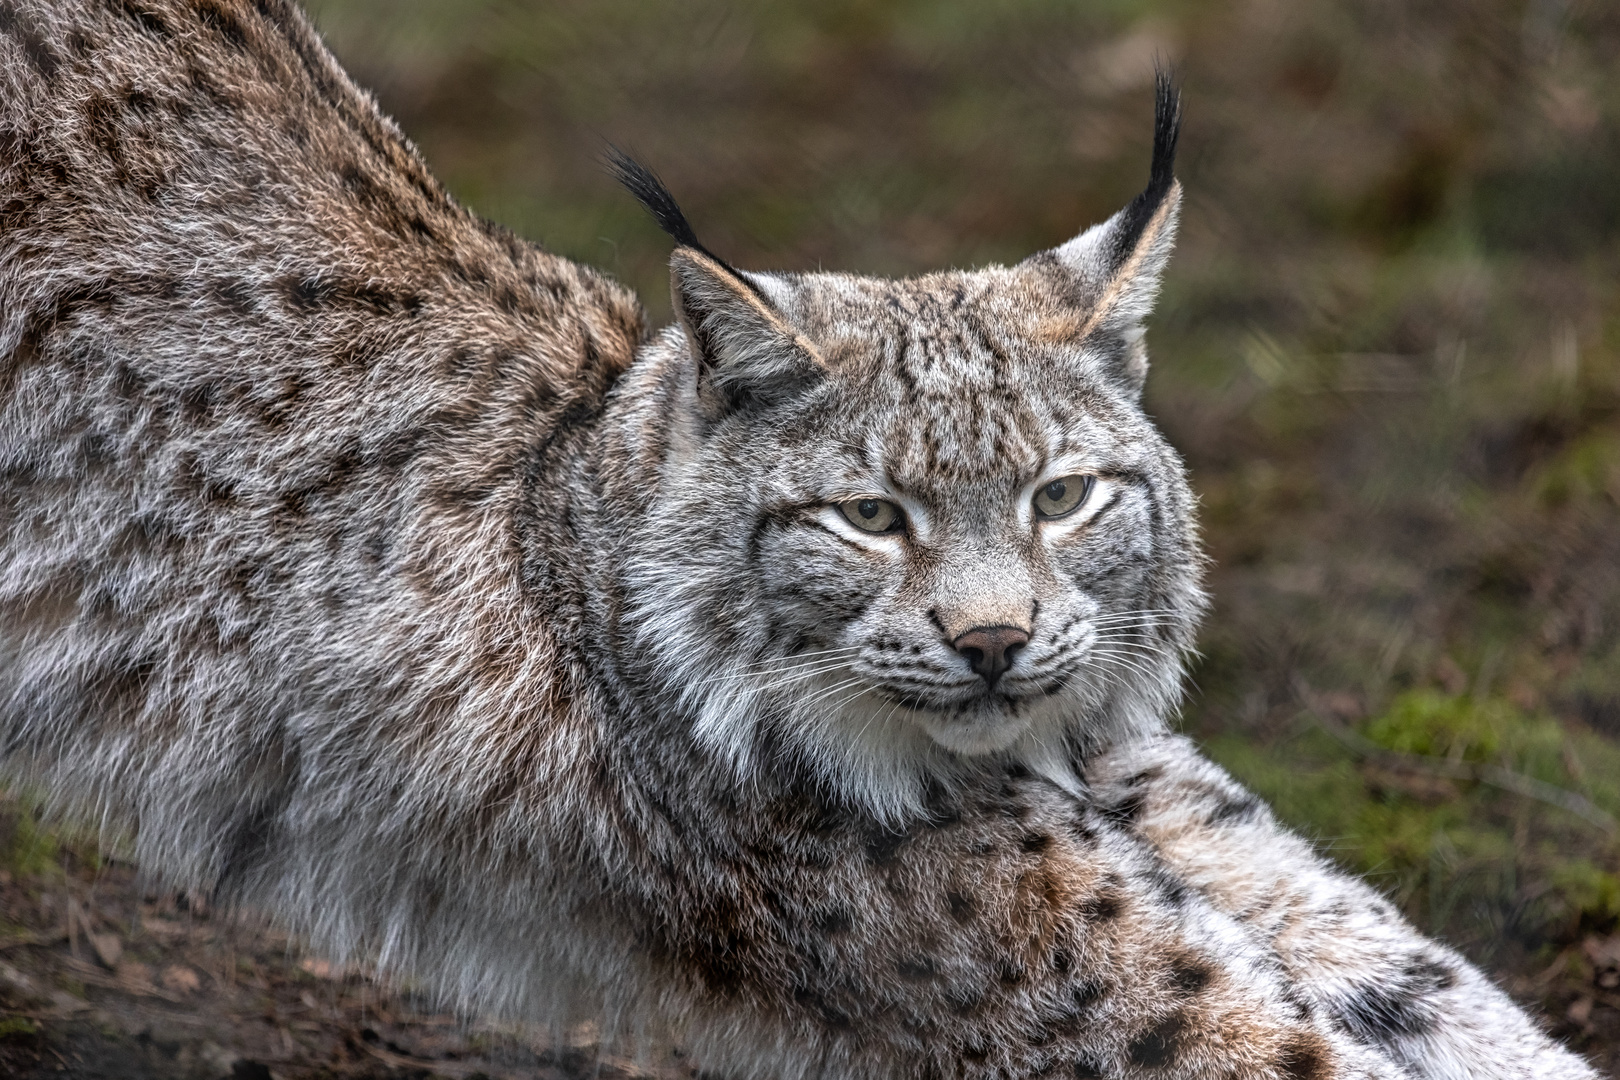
point(789, 684)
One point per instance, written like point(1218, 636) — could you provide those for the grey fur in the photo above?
point(368, 566)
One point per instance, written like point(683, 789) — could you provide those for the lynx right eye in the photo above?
point(873, 515)
point(1062, 496)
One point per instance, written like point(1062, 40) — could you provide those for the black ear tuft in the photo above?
point(1166, 130)
point(651, 193)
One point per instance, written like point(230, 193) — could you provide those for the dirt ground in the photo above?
point(102, 979)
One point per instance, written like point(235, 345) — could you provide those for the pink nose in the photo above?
point(990, 649)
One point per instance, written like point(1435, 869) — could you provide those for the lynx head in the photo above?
point(905, 528)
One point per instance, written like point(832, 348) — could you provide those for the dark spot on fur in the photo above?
point(1158, 1045)
point(917, 968)
point(1034, 844)
point(718, 949)
point(1010, 972)
point(246, 845)
point(1126, 809)
point(222, 22)
point(203, 86)
point(1383, 1011)
point(355, 179)
point(231, 294)
point(1401, 1006)
point(834, 921)
point(975, 1051)
point(963, 1001)
point(306, 293)
point(1433, 974)
point(830, 1015)
point(1087, 994)
point(943, 809)
point(421, 228)
point(468, 275)
point(35, 50)
point(1305, 1057)
point(1189, 974)
point(1238, 811)
point(1137, 779)
point(124, 687)
point(127, 382)
point(1102, 906)
point(1171, 889)
point(1081, 831)
point(96, 448)
point(882, 845)
point(1297, 1005)
point(1062, 960)
point(962, 907)
point(147, 20)
point(1086, 1068)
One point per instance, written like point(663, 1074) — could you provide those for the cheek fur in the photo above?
point(1110, 556)
point(807, 565)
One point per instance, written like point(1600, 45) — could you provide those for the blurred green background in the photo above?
point(1389, 345)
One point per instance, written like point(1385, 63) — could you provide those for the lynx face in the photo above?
point(956, 534)
point(903, 526)
point(905, 523)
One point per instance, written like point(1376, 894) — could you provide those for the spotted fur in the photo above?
point(371, 568)
point(1345, 950)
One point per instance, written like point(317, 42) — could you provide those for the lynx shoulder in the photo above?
point(789, 684)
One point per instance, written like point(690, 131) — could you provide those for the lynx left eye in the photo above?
point(873, 515)
point(1062, 496)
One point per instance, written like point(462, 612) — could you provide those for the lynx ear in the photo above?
point(748, 352)
point(749, 355)
point(1108, 276)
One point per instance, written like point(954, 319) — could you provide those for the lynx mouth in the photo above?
point(986, 732)
point(979, 703)
point(987, 721)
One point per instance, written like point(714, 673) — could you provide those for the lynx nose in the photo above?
point(990, 649)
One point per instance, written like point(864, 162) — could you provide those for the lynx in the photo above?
point(790, 684)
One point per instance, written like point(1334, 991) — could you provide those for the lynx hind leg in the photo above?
point(1344, 948)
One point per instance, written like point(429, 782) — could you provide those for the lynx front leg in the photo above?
point(1017, 933)
point(1346, 949)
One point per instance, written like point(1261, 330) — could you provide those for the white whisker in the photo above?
point(786, 665)
point(1121, 658)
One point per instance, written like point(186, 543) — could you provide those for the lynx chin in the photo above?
point(790, 684)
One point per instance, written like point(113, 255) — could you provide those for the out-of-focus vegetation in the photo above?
point(1389, 345)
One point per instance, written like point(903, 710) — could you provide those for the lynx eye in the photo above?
point(1062, 496)
point(873, 515)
